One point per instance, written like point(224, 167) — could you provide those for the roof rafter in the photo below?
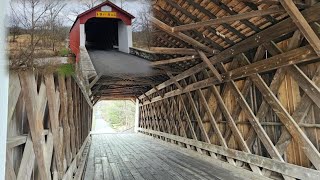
point(302, 24)
point(227, 19)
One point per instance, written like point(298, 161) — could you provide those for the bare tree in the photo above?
point(30, 14)
point(142, 35)
point(14, 28)
point(83, 6)
point(53, 21)
point(88, 4)
point(121, 3)
point(36, 17)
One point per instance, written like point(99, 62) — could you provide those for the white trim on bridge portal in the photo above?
point(125, 37)
point(82, 35)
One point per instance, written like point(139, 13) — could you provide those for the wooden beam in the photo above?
point(195, 34)
point(298, 115)
point(233, 126)
point(302, 24)
point(181, 36)
point(54, 106)
point(182, 127)
point(146, 96)
point(310, 150)
point(279, 76)
point(16, 141)
point(310, 88)
point(295, 56)
point(211, 67)
point(14, 92)
point(82, 158)
point(160, 94)
point(73, 166)
point(254, 121)
point(269, 2)
point(175, 81)
point(174, 60)
point(229, 11)
point(71, 117)
point(49, 150)
point(95, 91)
point(64, 117)
point(32, 99)
point(117, 98)
point(303, 54)
point(27, 161)
point(188, 119)
point(210, 15)
point(122, 82)
point(170, 121)
point(227, 19)
point(198, 118)
point(165, 50)
point(9, 169)
point(95, 80)
point(213, 120)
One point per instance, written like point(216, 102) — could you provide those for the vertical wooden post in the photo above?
point(136, 120)
point(75, 117)
point(53, 105)
point(70, 116)
point(64, 116)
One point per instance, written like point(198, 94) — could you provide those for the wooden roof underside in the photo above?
point(217, 37)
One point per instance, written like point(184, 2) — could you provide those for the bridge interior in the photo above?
point(230, 89)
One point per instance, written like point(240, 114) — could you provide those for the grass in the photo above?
point(63, 52)
point(66, 70)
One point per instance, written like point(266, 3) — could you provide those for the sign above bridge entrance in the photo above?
point(101, 14)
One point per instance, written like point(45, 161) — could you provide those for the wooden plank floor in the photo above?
point(135, 157)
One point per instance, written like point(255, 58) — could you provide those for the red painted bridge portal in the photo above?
point(102, 27)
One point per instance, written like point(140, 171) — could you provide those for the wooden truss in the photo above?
point(53, 111)
point(255, 104)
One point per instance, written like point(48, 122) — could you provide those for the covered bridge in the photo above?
point(231, 92)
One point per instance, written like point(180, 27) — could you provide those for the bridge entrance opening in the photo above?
point(114, 116)
point(102, 33)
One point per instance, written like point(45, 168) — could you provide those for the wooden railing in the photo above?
point(48, 127)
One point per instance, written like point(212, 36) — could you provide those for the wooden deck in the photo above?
point(133, 156)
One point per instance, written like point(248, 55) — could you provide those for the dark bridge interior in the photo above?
point(101, 33)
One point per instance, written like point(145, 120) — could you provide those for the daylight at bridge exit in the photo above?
point(160, 89)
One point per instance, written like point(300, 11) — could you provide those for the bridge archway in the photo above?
point(102, 33)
